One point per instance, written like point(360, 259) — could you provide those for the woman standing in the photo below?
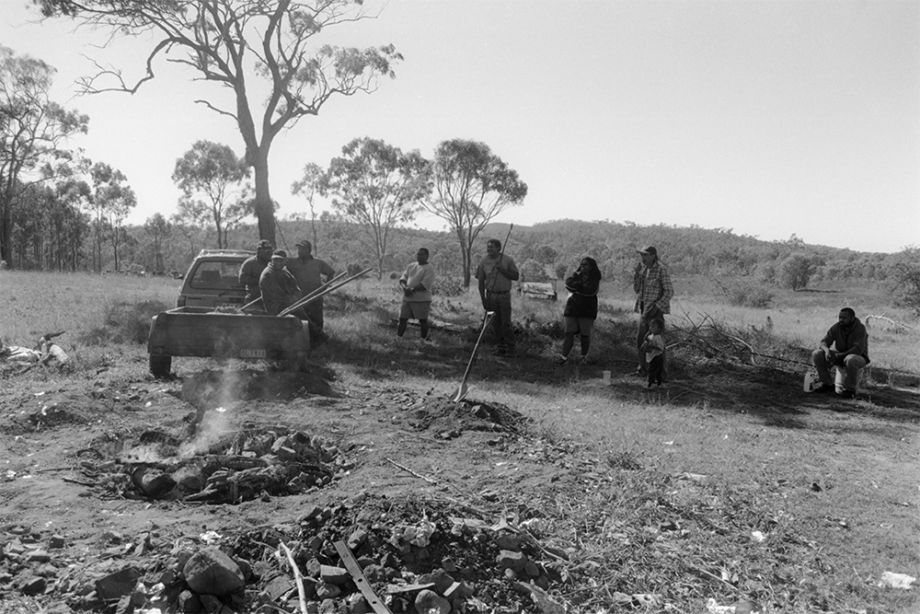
point(580, 308)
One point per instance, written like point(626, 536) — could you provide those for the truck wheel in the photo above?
point(160, 365)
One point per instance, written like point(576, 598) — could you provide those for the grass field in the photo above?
point(731, 474)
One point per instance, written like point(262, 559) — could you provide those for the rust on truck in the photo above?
point(202, 332)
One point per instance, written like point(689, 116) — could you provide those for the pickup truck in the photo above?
point(207, 322)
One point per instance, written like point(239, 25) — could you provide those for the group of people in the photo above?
point(280, 281)
point(496, 272)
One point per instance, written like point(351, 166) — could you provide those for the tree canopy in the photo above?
point(472, 185)
point(378, 187)
point(234, 43)
point(32, 128)
point(214, 188)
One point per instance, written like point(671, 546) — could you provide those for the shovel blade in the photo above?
point(461, 393)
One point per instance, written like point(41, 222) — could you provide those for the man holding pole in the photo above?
point(652, 284)
point(309, 273)
point(251, 270)
point(495, 273)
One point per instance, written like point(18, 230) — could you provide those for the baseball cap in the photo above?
point(648, 250)
point(264, 244)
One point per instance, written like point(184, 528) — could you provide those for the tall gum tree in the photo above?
point(377, 186)
point(471, 185)
point(234, 42)
point(32, 128)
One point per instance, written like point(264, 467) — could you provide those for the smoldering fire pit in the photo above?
point(254, 462)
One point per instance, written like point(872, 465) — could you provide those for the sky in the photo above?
point(768, 118)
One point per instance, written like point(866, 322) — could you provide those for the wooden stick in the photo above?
point(301, 593)
point(407, 470)
point(303, 302)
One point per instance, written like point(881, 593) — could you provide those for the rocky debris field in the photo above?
point(261, 491)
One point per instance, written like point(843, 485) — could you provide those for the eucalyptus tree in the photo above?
point(377, 186)
point(260, 52)
point(112, 200)
point(157, 227)
point(310, 186)
point(32, 129)
point(471, 185)
point(214, 186)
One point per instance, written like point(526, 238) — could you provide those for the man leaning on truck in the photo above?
point(252, 268)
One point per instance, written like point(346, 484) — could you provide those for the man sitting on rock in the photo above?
point(845, 347)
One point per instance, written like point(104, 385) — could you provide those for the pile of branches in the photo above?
point(711, 341)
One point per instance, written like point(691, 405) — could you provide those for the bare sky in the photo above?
point(770, 118)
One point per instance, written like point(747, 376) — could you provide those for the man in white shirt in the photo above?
point(416, 284)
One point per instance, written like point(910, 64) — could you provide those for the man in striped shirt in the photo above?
point(652, 284)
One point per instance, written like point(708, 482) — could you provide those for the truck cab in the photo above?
point(212, 279)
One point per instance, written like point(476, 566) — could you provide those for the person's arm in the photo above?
point(637, 278)
point(480, 275)
point(507, 268)
point(247, 279)
point(826, 343)
point(667, 290)
point(326, 270)
point(858, 342)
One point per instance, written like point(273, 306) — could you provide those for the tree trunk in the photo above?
point(6, 224)
point(265, 208)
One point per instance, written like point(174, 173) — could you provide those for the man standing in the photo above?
point(416, 284)
point(845, 347)
point(495, 273)
point(252, 268)
point(652, 284)
point(277, 285)
point(309, 273)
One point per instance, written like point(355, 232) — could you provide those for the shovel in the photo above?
point(463, 389)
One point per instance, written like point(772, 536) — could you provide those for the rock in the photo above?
point(509, 559)
point(448, 564)
point(324, 590)
point(276, 588)
point(356, 604)
point(212, 572)
point(31, 585)
point(458, 590)
point(327, 606)
point(117, 585)
point(429, 602)
point(333, 575)
point(356, 539)
point(56, 541)
point(508, 541)
point(152, 482)
point(211, 604)
point(439, 578)
point(38, 556)
point(545, 604)
point(189, 603)
point(531, 569)
point(374, 573)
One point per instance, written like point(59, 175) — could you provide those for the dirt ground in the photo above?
point(367, 455)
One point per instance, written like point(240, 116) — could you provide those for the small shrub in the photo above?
point(748, 295)
point(450, 286)
point(124, 323)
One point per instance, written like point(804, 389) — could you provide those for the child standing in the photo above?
point(653, 346)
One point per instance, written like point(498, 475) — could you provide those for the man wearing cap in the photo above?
point(252, 268)
point(495, 273)
point(279, 288)
point(652, 284)
point(309, 273)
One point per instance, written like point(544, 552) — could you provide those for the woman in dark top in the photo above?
point(581, 307)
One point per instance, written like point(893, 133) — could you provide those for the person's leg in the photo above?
point(506, 335)
point(567, 342)
point(585, 326)
point(852, 365)
point(820, 362)
point(640, 339)
point(404, 313)
point(421, 311)
point(315, 311)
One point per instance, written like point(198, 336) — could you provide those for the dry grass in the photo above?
point(669, 491)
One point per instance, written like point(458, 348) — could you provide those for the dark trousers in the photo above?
point(656, 370)
point(500, 303)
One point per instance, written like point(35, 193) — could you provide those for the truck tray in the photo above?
point(199, 331)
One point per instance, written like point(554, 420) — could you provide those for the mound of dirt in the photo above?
point(448, 419)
